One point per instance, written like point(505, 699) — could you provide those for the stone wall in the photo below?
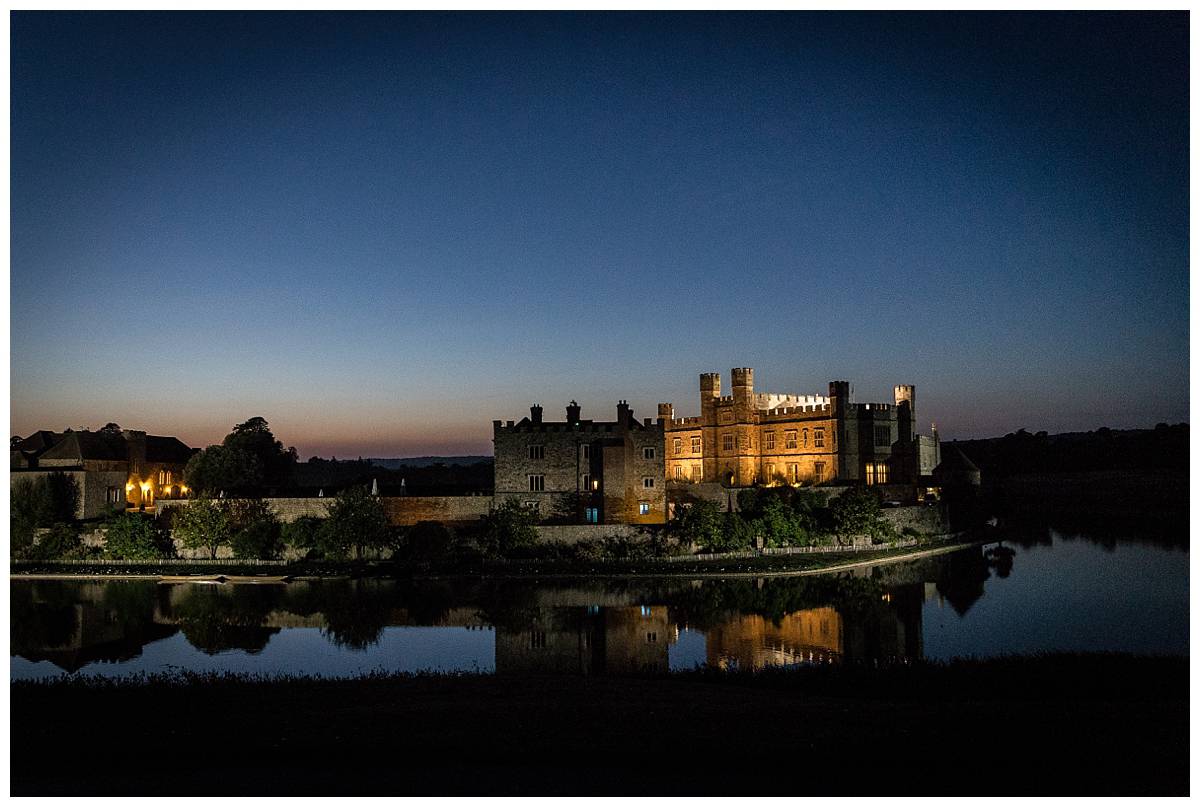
point(928, 520)
point(402, 511)
point(574, 533)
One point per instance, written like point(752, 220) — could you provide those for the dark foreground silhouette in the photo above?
point(1078, 724)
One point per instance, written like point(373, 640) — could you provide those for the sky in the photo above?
point(381, 231)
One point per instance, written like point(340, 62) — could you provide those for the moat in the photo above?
point(1050, 593)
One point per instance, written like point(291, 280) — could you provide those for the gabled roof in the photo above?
point(38, 442)
point(87, 446)
point(954, 460)
point(167, 450)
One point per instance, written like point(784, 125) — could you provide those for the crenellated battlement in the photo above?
point(696, 421)
point(809, 409)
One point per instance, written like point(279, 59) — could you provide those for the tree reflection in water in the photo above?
point(219, 618)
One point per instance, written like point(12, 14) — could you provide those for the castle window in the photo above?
point(769, 441)
point(535, 507)
point(537, 482)
point(695, 445)
point(726, 416)
point(770, 472)
point(592, 515)
point(883, 436)
point(727, 442)
point(537, 452)
point(697, 473)
point(651, 637)
point(647, 481)
point(586, 482)
point(678, 473)
point(114, 495)
point(819, 470)
point(819, 438)
point(677, 444)
point(790, 438)
point(643, 508)
point(587, 452)
point(537, 640)
point(877, 473)
point(648, 453)
point(794, 473)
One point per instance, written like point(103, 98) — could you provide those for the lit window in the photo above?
point(537, 452)
point(648, 453)
point(727, 442)
point(769, 441)
point(819, 438)
point(695, 445)
point(537, 482)
point(770, 472)
point(592, 515)
point(677, 444)
point(647, 481)
point(794, 473)
point(644, 508)
point(790, 438)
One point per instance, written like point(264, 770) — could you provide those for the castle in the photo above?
point(749, 437)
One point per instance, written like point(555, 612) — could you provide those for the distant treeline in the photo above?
point(425, 479)
point(1165, 447)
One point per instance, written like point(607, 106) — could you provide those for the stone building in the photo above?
point(114, 470)
point(583, 471)
point(749, 437)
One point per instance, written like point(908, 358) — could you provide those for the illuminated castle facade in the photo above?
point(749, 437)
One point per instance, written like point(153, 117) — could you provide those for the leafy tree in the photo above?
point(702, 523)
point(254, 437)
point(218, 468)
point(857, 512)
point(42, 501)
point(357, 522)
point(131, 536)
point(110, 428)
point(260, 539)
point(204, 524)
point(507, 528)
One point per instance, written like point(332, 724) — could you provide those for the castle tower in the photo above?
point(572, 413)
point(666, 412)
point(839, 396)
point(906, 412)
point(743, 393)
point(535, 413)
point(710, 392)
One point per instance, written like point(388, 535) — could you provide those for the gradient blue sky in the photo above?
point(381, 231)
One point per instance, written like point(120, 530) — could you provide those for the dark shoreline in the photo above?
point(1052, 724)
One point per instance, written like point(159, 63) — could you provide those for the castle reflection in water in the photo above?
point(593, 627)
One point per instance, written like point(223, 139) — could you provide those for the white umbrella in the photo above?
point(374, 487)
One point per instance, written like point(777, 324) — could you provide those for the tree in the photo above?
point(219, 468)
point(303, 534)
point(110, 428)
point(256, 529)
point(204, 524)
point(40, 501)
point(508, 527)
point(60, 541)
point(255, 438)
point(131, 536)
point(356, 521)
point(857, 512)
point(701, 523)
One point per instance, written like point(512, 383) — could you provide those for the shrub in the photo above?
point(131, 536)
point(857, 512)
point(60, 542)
point(701, 523)
point(258, 539)
point(427, 543)
point(303, 534)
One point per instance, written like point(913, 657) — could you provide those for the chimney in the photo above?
point(535, 413)
point(624, 413)
point(572, 413)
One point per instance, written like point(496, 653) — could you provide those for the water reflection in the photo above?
point(878, 615)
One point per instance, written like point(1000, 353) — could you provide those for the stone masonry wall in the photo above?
point(403, 511)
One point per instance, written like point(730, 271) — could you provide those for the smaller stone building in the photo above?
point(583, 471)
point(114, 470)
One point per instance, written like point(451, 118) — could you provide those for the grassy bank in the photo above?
point(514, 568)
point(1085, 724)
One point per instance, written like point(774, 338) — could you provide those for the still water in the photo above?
point(1053, 593)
